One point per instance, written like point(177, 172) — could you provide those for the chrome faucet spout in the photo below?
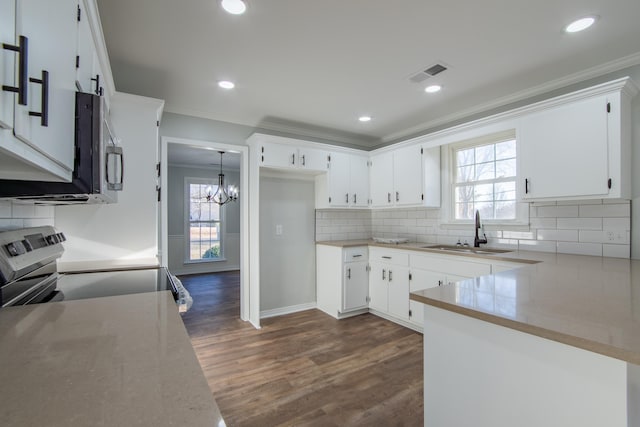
point(477, 241)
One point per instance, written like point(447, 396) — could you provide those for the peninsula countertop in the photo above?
point(122, 360)
point(588, 302)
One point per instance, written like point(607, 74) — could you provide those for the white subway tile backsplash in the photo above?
point(5, 210)
point(11, 223)
point(23, 211)
point(576, 226)
point(558, 211)
point(537, 245)
point(580, 223)
point(594, 249)
point(564, 235)
point(616, 251)
point(616, 223)
point(37, 222)
point(610, 211)
point(543, 222)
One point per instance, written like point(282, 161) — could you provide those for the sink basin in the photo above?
point(466, 249)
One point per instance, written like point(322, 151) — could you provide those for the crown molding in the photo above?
point(593, 72)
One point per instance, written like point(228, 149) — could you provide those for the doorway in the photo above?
point(197, 235)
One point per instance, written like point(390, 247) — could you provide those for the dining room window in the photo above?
point(203, 222)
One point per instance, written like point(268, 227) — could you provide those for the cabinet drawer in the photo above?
point(450, 265)
point(355, 254)
point(391, 256)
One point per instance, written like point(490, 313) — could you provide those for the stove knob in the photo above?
point(51, 239)
point(61, 237)
point(15, 248)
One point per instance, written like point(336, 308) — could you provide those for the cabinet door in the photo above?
point(85, 52)
point(278, 156)
point(312, 159)
point(563, 150)
point(422, 279)
point(407, 176)
point(381, 179)
point(338, 180)
point(359, 181)
point(399, 292)
point(378, 287)
point(51, 27)
point(7, 61)
point(355, 286)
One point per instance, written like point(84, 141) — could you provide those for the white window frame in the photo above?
point(521, 221)
point(186, 209)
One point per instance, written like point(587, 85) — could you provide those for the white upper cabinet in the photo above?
point(407, 176)
point(359, 181)
point(47, 121)
point(578, 148)
point(381, 180)
point(7, 61)
point(286, 156)
point(348, 180)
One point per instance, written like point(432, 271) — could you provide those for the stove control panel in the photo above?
point(33, 241)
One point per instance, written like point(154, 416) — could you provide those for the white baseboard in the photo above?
point(287, 310)
point(187, 272)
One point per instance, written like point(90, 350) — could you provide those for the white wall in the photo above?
point(126, 230)
point(176, 211)
point(287, 261)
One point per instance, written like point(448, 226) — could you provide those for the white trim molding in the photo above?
point(287, 310)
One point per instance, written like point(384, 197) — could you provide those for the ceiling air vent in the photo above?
point(429, 72)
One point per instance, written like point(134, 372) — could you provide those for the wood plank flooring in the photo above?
point(306, 368)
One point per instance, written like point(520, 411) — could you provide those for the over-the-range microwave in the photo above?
point(98, 163)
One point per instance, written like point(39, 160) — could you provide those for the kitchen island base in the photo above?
point(481, 374)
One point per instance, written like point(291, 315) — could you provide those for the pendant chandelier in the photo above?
point(223, 194)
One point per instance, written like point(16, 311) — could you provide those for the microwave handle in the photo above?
point(116, 151)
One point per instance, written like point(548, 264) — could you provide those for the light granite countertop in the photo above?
point(112, 361)
point(588, 302)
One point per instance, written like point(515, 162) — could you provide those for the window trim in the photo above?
point(188, 180)
point(521, 221)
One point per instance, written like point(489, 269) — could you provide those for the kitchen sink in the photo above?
point(466, 249)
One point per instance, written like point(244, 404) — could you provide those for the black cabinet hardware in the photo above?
point(44, 100)
point(98, 88)
point(526, 186)
point(22, 49)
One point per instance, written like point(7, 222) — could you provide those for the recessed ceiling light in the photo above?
point(226, 84)
point(433, 88)
point(580, 24)
point(364, 118)
point(234, 7)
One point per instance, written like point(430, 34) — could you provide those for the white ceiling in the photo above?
point(186, 155)
point(323, 63)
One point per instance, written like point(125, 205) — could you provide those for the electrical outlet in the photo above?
point(615, 236)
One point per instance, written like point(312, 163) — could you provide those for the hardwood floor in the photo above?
point(306, 368)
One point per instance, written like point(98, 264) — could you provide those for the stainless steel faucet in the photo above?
point(477, 240)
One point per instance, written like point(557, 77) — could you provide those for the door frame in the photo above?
point(244, 200)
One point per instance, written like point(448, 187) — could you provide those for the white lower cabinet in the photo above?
point(342, 280)
point(353, 279)
point(389, 282)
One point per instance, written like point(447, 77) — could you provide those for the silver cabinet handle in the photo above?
point(384, 274)
point(390, 277)
point(397, 196)
point(349, 273)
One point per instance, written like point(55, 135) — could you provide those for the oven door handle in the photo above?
point(114, 151)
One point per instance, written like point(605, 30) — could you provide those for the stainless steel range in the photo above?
point(28, 273)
